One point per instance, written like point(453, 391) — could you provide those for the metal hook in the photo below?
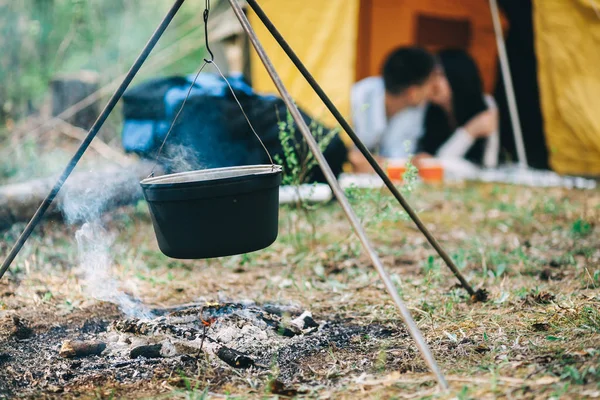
point(205, 16)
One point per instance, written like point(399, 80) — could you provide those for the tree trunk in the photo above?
point(84, 195)
point(71, 89)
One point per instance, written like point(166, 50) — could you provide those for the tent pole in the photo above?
point(508, 86)
point(339, 193)
point(366, 153)
point(39, 214)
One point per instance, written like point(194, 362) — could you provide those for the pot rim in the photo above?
point(212, 174)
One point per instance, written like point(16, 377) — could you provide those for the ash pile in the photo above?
point(241, 335)
point(208, 340)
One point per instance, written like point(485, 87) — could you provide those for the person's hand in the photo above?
point(360, 163)
point(483, 124)
point(417, 158)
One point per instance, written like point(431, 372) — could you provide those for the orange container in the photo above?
point(396, 169)
point(396, 172)
point(431, 170)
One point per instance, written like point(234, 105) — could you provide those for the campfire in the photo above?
point(190, 339)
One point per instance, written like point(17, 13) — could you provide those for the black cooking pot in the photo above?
point(215, 212)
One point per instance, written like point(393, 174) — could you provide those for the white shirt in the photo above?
point(460, 142)
point(395, 137)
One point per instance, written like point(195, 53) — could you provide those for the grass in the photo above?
point(535, 250)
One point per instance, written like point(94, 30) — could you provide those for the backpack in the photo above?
point(212, 132)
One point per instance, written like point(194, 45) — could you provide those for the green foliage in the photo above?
point(580, 376)
point(581, 227)
point(25, 161)
point(464, 393)
point(590, 319)
point(299, 161)
point(191, 390)
point(42, 38)
point(375, 206)
point(431, 266)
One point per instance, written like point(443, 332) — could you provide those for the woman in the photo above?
point(461, 122)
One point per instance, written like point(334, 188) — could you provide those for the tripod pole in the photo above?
point(39, 214)
point(339, 193)
point(358, 143)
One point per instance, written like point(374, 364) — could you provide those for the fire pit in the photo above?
point(190, 340)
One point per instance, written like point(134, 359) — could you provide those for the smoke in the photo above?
point(84, 203)
point(179, 158)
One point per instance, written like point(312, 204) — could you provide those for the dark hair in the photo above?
point(467, 101)
point(465, 81)
point(405, 67)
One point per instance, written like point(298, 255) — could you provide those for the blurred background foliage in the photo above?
point(42, 38)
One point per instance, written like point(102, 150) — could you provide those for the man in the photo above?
point(388, 110)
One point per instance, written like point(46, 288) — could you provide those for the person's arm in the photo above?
point(457, 146)
point(359, 162)
point(361, 101)
point(483, 125)
point(492, 148)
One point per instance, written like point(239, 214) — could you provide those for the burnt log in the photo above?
point(70, 89)
point(107, 188)
point(234, 358)
point(77, 348)
point(148, 351)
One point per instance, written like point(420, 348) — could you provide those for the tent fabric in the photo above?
point(520, 48)
point(324, 37)
point(567, 43)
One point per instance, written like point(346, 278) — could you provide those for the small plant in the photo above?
point(500, 268)
point(381, 361)
point(431, 265)
point(460, 258)
point(298, 163)
point(47, 297)
point(464, 393)
point(581, 227)
point(191, 391)
point(580, 377)
point(590, 319)
point(377, 206)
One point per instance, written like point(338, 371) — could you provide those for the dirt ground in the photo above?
point(538, 336)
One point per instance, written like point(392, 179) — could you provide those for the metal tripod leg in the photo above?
point(357, 142)
point(39, 214)
point(339, 193)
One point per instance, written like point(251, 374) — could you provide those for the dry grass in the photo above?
point(535, 250)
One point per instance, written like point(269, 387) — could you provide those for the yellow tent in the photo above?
point(568, 51)
point(323, 34)
point(342, 41)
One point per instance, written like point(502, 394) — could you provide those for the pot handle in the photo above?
point(206, 61)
